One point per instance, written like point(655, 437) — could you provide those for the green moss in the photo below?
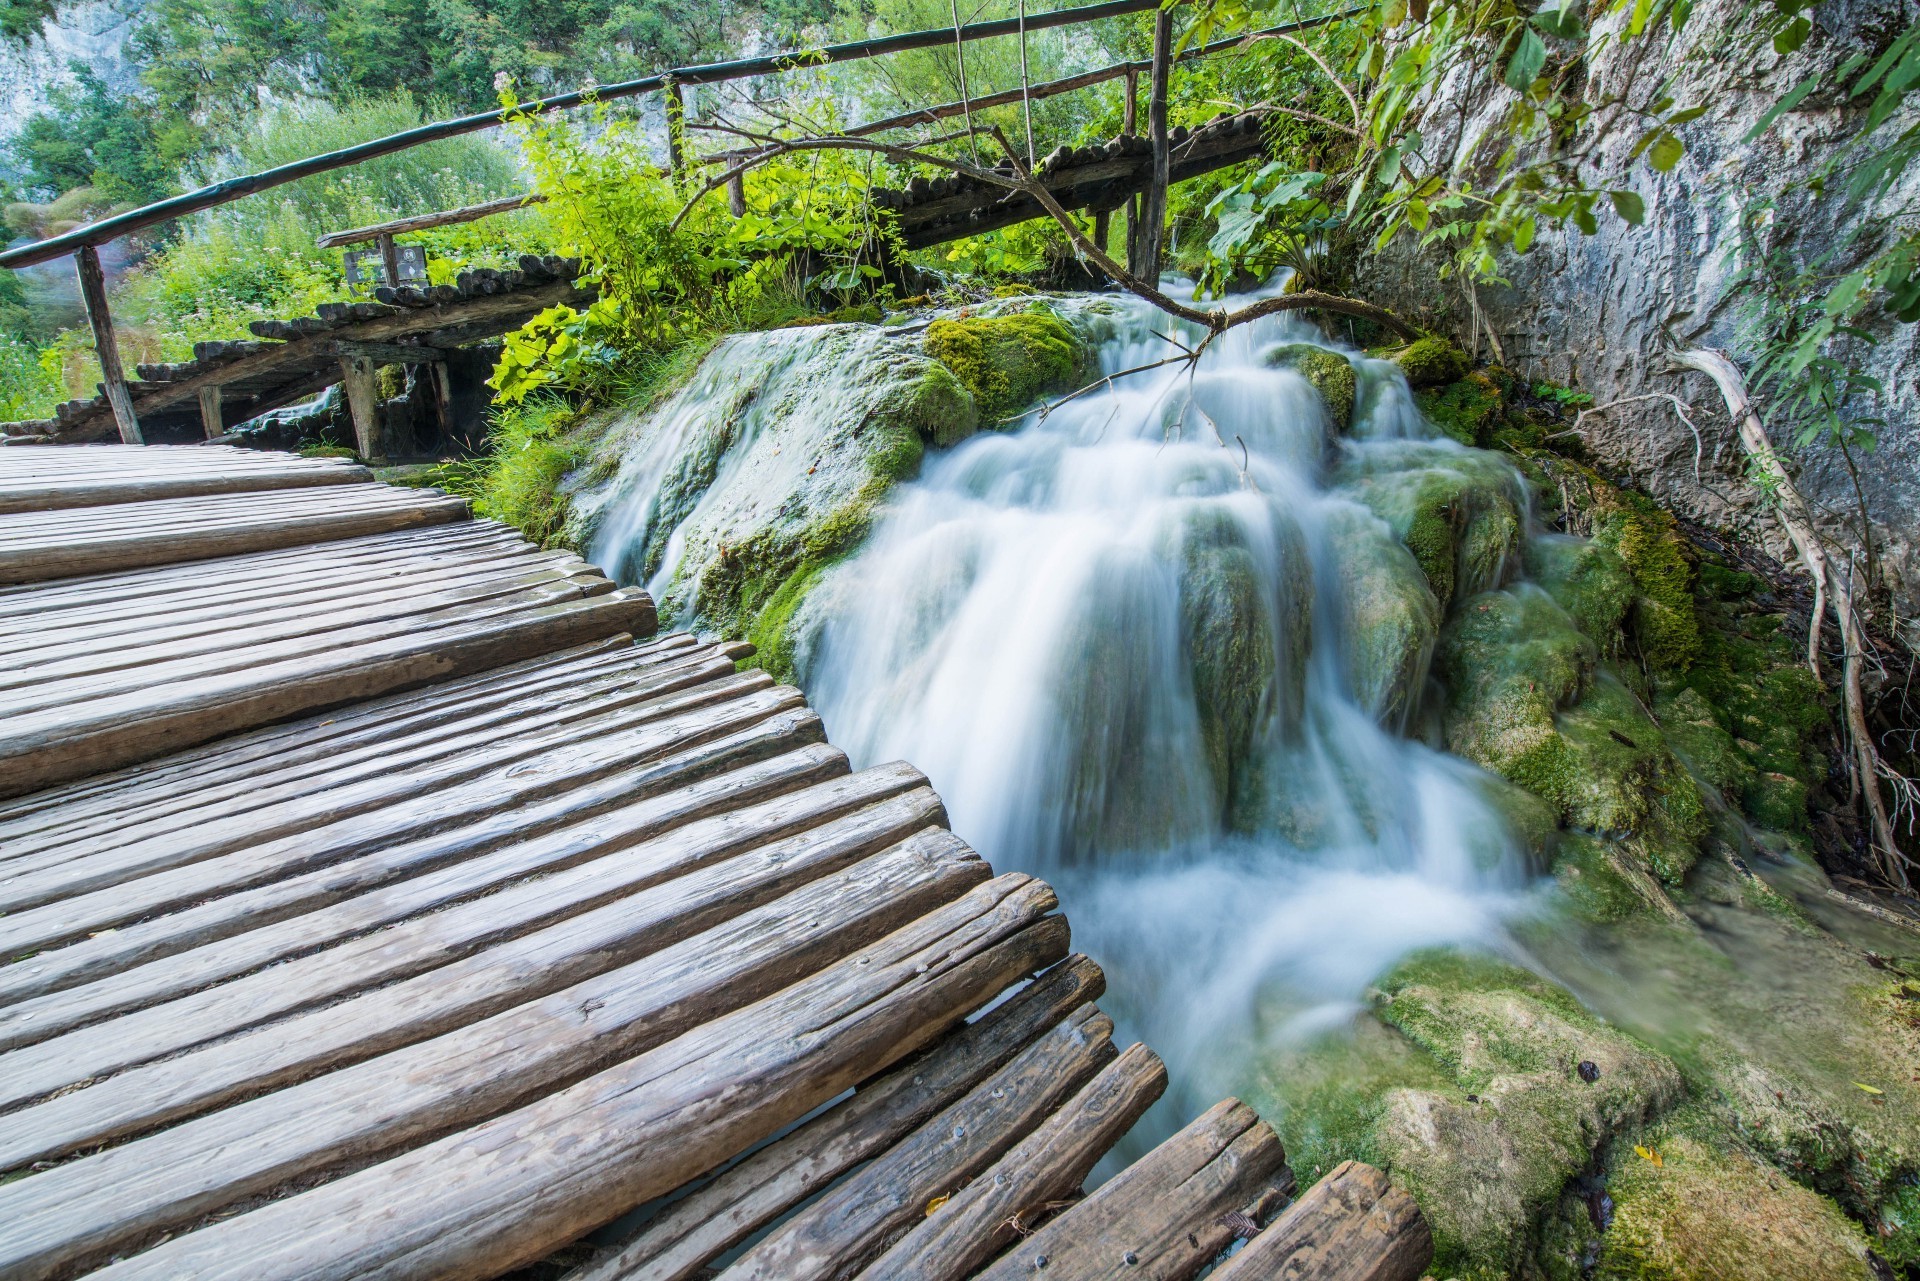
point(1589, 581)
point(316, 450)
point(1467, 409)
point(1392, 618)
point(534, 445)
point(1431, 362)
point(1457, 516)
point(773, 632)
point(1009, 361)
point(1776, 801)
point(1648, 540)
point(1600, 881)
point(1689, 1205)
point(1486, 1169)
point(1697, 738)
point(1330, 374)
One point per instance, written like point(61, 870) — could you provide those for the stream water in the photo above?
point(1021, 630)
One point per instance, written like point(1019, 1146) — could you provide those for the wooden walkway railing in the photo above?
point(379, 897)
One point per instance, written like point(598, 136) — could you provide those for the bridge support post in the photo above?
point(113, 379)
point(1143, 249)
point(212, 420)
point(363, 403)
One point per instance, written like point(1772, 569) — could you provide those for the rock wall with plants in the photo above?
point(1740, 247)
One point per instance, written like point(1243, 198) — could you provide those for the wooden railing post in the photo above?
point(676, 127)
point(390, 261)
point(1143, 258)
point(737, 196)
point(113, 380)
point(1128, 122)
point(212, 419)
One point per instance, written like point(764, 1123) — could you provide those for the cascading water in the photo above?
point(1118, 640)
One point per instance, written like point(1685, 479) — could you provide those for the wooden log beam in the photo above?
point(113, 380)
point(676, 1244)
point(1166, 1214)
point(1353, 1225)
point(390, 353)
point(497, 1195)
point(424, 222)
point(1043, 1170)
point(861, 1215)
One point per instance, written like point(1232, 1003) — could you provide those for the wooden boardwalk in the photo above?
point(379, 897)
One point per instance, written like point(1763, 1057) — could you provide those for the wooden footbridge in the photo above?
point(382, 897)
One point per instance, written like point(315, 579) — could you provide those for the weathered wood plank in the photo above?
point(508, 1191)
point(861, 1215)
point(48, 495)
point(677, 1243)
point(1043, 1169)
point(35, 547)
point(418, 944)
point(126, 884)
point(1163, 1216)
point(44, 748)
point(474, 988)
point(460, 1079)
point(264, 798)
point(294, 915)
point(1353, 1225)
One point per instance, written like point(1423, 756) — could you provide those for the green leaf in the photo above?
point(1527, 60)
point(1523, 235)
point(1782, 107)
point(1417, 215)
point(1629, 206)
point(1583, 218)
point(1790, 37)
point(1691, 113)
point(1666, 152)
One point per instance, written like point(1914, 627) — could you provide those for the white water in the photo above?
point(1013, 627)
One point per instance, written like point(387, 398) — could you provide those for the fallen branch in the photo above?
point(1871, 770)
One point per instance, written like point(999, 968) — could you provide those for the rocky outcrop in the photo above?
point(1598, 311)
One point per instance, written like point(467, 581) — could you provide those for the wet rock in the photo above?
point(1330, 373)
point(1485, 1174)
point(1467, 410)
point(1391, 618)
point(1588, 579)
point(1457, 511)
point(1691, 1206)
point(1008, 361)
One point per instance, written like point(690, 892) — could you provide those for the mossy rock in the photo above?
point(1524, 702)
point(1330, 374)
point(1431, 362)
point(1648, 540)
point(1468, 409)
point(1456, 512)
point(1688, 1205)
point(1231, 644)
point(1486, 1169)
point(1009, 361)
point(1391, 616)
point(1590, 582)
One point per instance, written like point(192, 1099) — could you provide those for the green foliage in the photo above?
point(22, 20)
point(30, 386)
point(560, 350)
point(91, 139)
point(533, 449)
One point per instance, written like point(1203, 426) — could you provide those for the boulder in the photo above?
point(1330, 373)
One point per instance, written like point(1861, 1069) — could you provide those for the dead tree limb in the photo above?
point(1796, 517)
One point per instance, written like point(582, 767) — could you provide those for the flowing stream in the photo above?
point(1021, 627)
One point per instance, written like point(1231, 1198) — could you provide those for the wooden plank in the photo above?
point(1042, 1170)
point(297, 742)
point(78, 1211)
point(266, 924)
point(113, 380)
point(387, 747)
point(48, 495)
point(487, 1199)
point(1353, 1225)
point(210, 414)
point(815, 819)
point(42, 675)
point(475, 988)
point(861, 1215)
point(44, 748)
point(1161, 1217)
point(677, 1243)
point(65, 687)
point(35, 548)
point(118, 890)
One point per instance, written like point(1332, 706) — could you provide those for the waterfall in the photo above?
point(1117, 640)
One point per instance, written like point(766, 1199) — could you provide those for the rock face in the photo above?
point(1592, 310)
